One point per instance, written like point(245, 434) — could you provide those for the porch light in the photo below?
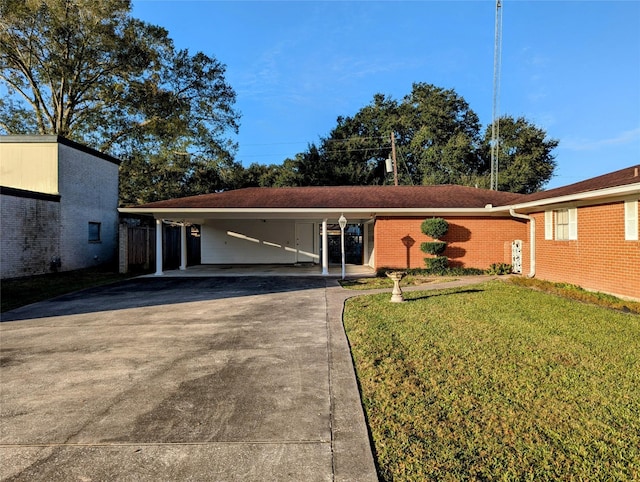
point(343, 224)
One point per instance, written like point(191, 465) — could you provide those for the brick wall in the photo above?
point(89, 193)
point(600, 259)
point(30, 235)
point(474, 242)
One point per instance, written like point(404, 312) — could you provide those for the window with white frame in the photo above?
point(561, 224)
point(631, 220)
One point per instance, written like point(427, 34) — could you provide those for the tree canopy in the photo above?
point(89, 71)
point(439, 141)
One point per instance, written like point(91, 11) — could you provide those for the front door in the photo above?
point(305, 252)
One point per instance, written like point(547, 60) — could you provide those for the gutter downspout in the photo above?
point(532, 240)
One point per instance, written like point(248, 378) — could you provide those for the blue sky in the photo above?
point(570, 67)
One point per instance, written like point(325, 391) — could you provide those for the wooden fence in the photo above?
point(137, 247)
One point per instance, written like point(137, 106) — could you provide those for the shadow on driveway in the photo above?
point(144, 292)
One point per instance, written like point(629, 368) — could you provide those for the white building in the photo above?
point(58, 202)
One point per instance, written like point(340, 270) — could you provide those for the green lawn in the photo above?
point(498, 382)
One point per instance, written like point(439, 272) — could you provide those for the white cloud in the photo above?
point(625, 137)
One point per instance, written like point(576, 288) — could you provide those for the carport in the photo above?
point(250, 227)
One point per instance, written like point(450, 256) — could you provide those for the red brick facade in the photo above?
point(474, 242)
point(600, 259)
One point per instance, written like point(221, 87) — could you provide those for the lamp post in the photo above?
point(343, 224)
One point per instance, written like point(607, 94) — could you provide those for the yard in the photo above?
point(498, 382)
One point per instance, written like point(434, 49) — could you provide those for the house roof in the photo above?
point(366, 202)
point(343, 197)
point(623, 177)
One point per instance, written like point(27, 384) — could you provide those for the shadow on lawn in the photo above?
point(451, 293)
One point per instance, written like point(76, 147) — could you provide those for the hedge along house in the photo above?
point(59, 203)
point(585, 233)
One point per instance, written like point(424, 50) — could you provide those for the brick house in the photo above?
point(59, 203)
point(585, 233)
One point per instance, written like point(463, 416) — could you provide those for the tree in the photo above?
point(440, 132)
point(438, 142)
point(525, 158)
point(436, 136)
point(89, 71)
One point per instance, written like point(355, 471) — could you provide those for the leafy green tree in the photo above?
point(438, 142)
point(525, 156)
point(440, 132)
point(436, 136)
point(89, 71)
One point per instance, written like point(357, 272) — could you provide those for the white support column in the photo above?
point(325, 249)
point(159, 248)
point(183, 247)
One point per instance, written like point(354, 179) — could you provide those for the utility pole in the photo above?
point(495, 124)
point(393, 157)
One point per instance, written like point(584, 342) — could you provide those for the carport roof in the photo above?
point(343, 197)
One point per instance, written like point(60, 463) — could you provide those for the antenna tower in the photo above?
point(495, 122)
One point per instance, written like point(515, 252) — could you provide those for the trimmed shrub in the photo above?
point(499, 269)
point(437, 265)
point(433, 247)
point(435, 227)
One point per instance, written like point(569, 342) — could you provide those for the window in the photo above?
point(94, 232)
point(562, 222)
point(631, 220)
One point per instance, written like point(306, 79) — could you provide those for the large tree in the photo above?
point(438, 141)
point(89, 71)
point(525, 159)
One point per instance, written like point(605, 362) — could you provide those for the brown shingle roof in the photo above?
point(623, 177)
point(348, 197)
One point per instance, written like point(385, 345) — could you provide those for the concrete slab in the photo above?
point(182, 379)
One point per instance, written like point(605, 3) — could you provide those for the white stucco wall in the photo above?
point(30, 166)
point(89, 193)
point(255, 242)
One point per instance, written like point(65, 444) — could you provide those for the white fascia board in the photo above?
point(307, 212)
point(601, 194)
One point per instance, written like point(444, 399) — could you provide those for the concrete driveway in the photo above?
point(183, 379)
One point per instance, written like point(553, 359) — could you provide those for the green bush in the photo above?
point(435, 227)
point(433, 247)
point(437, 265)
point(499, 269)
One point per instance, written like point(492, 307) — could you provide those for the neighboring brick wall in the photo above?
point(600, 259)
point(89, 193)
point(30, 235)
point(474, 242)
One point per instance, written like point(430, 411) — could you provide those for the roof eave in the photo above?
point(612, 193)
point(360, 212)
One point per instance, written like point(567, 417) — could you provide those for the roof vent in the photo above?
point(488, 206)
point(635, 172)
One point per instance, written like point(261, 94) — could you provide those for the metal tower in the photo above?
point(495, 122)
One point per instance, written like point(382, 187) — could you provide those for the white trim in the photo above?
point(548, 225)
point(600, 193)
point(631, 220)
point(573, 224)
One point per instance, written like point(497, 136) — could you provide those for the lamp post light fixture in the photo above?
point(343, 224)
